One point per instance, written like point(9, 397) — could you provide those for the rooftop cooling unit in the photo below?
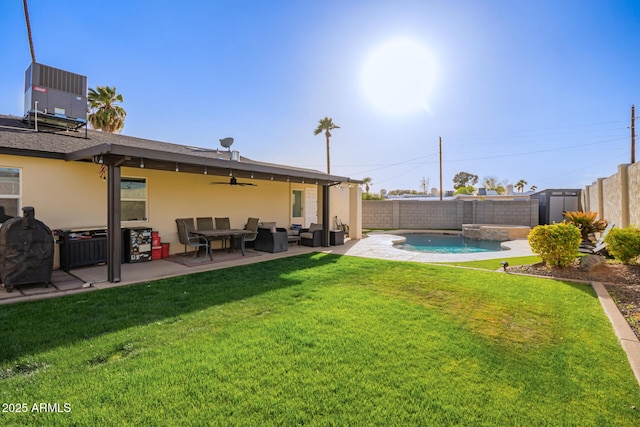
point(55, 97)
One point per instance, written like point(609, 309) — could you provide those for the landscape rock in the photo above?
point(589, 262)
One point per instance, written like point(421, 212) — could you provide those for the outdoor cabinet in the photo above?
point(136, 244)
point(82, 247)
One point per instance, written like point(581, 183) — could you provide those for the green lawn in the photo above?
point(319, 340)
point(496, 264)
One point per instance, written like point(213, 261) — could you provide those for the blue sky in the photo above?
point(535, 90)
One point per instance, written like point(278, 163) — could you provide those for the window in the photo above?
point(296, 211)
point(133, 199)
point(10, 194)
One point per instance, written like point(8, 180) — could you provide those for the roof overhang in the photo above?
point(136, 157)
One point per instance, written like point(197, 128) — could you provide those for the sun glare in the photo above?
point(397, 77)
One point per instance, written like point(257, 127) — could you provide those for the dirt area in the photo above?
point(622, 282)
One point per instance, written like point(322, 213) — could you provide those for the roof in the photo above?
point(19, 138)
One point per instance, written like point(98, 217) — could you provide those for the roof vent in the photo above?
point(235, 156)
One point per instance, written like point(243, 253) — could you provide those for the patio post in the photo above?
point(325, 215)
point(114, 234)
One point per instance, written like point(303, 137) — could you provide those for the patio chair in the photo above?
point(271, 239)
point(195, 241)
point(252, 224)
point(223, 224)
point(181, 233)
point(204, 223)
point(311, 236)
point(599, 245)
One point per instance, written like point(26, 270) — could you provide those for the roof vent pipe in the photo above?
point(235, 156)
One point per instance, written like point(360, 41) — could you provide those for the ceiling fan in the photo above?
point(233, 181)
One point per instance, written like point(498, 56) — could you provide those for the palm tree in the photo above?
point(520, 185)
point(367, 182)
point(104, 112)
point(326, 125)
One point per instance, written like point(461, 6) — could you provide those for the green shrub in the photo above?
point(587, 222)
point(556, 244)
point(624, 243)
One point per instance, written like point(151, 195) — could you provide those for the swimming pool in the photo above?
point(446, 244)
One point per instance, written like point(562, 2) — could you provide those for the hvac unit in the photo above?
point(55, 97)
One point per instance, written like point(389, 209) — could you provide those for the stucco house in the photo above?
point(87, 179)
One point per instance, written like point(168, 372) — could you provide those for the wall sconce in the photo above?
point(205, 170)
point(177, 168)
point(141, 163)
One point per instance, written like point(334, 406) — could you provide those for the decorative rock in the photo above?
point(589, 262)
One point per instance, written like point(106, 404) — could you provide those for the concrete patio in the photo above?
point(376, 245)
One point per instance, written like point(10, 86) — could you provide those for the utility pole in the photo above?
point(440, 168)
point(633, 134)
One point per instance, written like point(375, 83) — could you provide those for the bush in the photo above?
point(556, 244)
point(624, 243)
point(587, 222)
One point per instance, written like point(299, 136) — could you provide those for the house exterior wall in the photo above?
point(69, 195)
point(447, 214)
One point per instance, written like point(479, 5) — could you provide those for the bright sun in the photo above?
point(398, 76)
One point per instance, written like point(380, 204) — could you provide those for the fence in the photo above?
point(616, 198)
point(447, 214)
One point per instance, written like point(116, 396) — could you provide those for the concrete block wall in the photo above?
point(616, 198)
point(634, 194)
point(447, 214)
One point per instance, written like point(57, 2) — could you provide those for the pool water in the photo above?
point(447, 244)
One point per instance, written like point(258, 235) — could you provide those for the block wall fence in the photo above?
point(616, 198)
point(447, 214)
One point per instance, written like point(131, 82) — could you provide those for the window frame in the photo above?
point(18, 196)
point(123, 199)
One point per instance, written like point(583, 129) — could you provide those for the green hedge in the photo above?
point(556, 244)
point(624, 243)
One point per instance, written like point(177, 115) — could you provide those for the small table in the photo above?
point(233, 233)
point(293, 239)
point(336, 237)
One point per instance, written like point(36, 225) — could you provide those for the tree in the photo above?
point(424, 184)
point(464, 179)
point(533, 188)
point(104, 112)
point(326, 125)
point(520, 185)
point(465, 190)
point(492, 183)
point(367, 182)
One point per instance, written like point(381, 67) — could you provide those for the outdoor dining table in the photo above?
point(233, 233)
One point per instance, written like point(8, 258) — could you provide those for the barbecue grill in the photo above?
point(26, 251)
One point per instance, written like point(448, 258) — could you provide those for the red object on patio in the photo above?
point(156, 252)
point(165, 250)
point(155, 239)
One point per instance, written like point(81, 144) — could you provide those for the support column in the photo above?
point(114, 233)
point(325, 215)
point(599, 182)
point(623, 170)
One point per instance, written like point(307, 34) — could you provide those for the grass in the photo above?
point(495, 264)
point(323, 340)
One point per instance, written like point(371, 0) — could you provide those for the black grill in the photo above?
point(26, 251)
